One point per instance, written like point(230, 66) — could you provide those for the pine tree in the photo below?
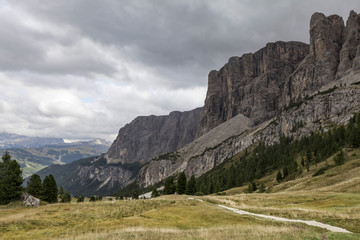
point(191, 186)
point(279, 176)
point(254, 186)
point(80, 199)
point(181, 183)
point(217, 187)
point(61, 190)
point(169, 186)
point(135, 195)
point(10, 180)
point(65, 197)
point(50, 192)
point(285, 172)
point(154, 193)
point(34, 186)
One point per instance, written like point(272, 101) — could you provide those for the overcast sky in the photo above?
point(81, 69)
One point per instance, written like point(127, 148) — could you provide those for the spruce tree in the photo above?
point(10, 180)
point(154, 193)
point(191, 186)
point(65, 197)
point(34, 186)
point(50, 192)
point(169, 186)
point(181, 183)
point(279, 176)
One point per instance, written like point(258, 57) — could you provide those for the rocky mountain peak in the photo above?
point(148, 136)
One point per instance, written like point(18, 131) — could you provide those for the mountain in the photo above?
point(34, 159)
point(285, 88)
point(137, 143)
point(293, 94)
point(9, 140)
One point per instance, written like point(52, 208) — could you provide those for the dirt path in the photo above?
point(311, 223)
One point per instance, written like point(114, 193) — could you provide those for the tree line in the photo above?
point(11, 181)
point(255, 162)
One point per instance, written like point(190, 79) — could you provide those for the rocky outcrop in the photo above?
point(30, 201)
point(320, 66)
point(351, 44)
point(318, 112)
point(147, 137)
point(250, 84)
point(259, 85)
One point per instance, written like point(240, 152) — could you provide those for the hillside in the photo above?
point(332, 198)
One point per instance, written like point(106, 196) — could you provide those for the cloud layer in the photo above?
point(82, 69)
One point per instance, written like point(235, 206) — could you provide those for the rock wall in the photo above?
point(147, 137)
point(318, 112)
point(259, 85)
point(250, 84)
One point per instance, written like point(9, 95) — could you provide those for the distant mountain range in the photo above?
point(36, 153)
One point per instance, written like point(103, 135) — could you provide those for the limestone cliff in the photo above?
point(318, 112)
point(259, 85)
point(147, 137)
point(250, 84)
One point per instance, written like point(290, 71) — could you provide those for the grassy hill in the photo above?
point(332, 197)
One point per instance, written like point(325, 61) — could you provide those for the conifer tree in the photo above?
point(34, 186)
point(50, 192)
point(181, 183)
point(191, 186)
point(154, 193)
point(10, 180)
point(279, 176)
point(169, 186)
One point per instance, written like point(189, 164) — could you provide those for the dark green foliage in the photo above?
point(80, 199)
point(285, 172)
point(50, 190)
point(61, 190)
point(34, 186)
point(154, 193)
point(191, 186)
point(10, 180)
point(217, 187)
point(92, 199)
point(65, 197)
point(135, 195)
point(279, 176)
point(181, 183)
point(254, 186)
point(257, 161)
point(169, 186)
point(339, 159)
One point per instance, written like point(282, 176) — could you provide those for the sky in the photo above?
point(82, 69)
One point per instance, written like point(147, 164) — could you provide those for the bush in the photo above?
point(80, 199)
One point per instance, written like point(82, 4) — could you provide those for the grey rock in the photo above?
point(30, 201)
point(351, 41)
point(147, 137)
point(319, 112)
point(250, 84)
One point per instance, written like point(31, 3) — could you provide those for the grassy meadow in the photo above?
point(332, 197)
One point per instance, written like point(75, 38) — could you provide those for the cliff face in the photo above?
point(147, 137)
point(263, 86)
point(250, 84)
point(320, 111)
point(258, 85)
